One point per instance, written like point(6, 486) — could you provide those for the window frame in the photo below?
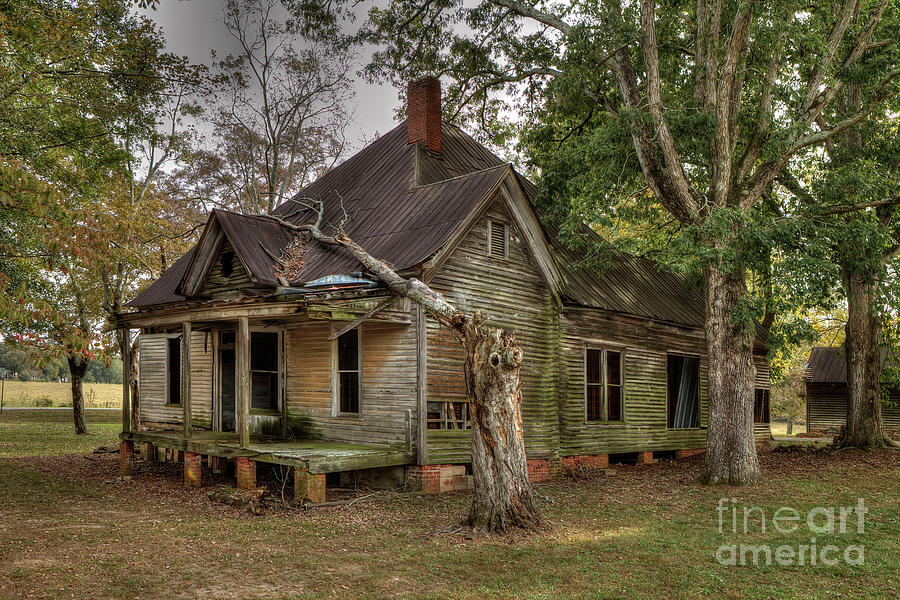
point(336, 377)
point(604, 384)
point(169, 338)
point(279, 374)
point(699, 390)
point(490, 236)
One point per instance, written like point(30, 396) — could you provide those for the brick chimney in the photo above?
point(423, 107)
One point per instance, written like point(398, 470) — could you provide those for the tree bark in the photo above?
point(77, 369)
point(731, 451)
point(503, 495)
point(865, 427)
point(131, 372)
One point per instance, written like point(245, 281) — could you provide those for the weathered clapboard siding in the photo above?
point(762, 431)
point(645, 345)
point(216, 283)
point(153, 378)
point(201, 379)
point(510, 293)
point(826, 408)
point(388, 382)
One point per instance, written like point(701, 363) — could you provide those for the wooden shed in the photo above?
point(327, 373)
point(826, 394)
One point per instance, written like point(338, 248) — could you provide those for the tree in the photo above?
point(280, 113)
point(503, 495)
point(72, 108)
point(707, 102)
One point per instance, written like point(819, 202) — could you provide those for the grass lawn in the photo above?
point(38, 432)
point(69, 529)
point(96, 395)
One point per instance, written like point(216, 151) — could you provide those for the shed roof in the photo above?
point(828, 364)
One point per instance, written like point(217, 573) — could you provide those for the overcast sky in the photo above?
point(193, 27)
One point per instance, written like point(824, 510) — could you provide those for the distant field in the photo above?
point(29, 393)
point(780, 429)
point(43, 432)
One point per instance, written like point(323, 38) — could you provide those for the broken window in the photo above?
point(449, 415)
point(227, 259)
point(604, 385)
point(498, 239)
point(761, 406)
point(173, 362)
point(264, 370)
point(684, 391)
point(348, 372)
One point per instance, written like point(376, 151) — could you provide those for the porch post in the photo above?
point(126, 384)
point(186, 377)
point(243, 381)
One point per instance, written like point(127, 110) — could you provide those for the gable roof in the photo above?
point(391, 214)
point(828, 364)
point(627, 284)
point(404, 205)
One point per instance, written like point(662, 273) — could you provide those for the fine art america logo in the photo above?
point(820, 520)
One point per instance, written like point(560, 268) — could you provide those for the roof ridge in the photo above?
point(463, 176)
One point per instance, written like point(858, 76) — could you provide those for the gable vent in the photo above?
point(498, 239)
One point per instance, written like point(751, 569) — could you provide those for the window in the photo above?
point(604, 385)
point(761, 406)
point(264, 370)
point(498, 239)
point(227, 260)
point(683, 374)
point(348, 376)
point(173, 362)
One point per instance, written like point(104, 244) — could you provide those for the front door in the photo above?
point(227, 375)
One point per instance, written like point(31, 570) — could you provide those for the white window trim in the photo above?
point(336, 379)
point(604, 401)
point(279, 395)
point(490, 235)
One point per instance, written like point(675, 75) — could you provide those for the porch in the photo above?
point(315, 456)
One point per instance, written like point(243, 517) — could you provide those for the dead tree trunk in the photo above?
point(865, 427)
point(731, 452)
point(77, 369)
point(503, 494)
point(131, 372)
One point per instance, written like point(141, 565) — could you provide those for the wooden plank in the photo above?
point(243, 387)
point(186, 377)
point(421, 386)
point(126, 384)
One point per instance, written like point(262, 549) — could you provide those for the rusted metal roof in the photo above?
point(392, 213)
point(626, 283)
point(827, 364)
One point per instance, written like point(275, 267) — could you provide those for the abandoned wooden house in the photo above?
point(826, 394)
point(321, 370)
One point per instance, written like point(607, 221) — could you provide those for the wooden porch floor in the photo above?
point(316, 455)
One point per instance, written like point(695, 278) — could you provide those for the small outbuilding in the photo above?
point(826, 394)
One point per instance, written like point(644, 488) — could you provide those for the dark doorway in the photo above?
point(227, 380)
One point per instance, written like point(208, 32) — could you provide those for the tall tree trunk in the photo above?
point(865, 427)
point(731, 451)
point(503, 495)
point(132, 373)
point(77, 369)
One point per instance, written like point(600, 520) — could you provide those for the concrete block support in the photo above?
point(193, 469)
point(246, 473)
point(308, 487)
point(126, 458)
